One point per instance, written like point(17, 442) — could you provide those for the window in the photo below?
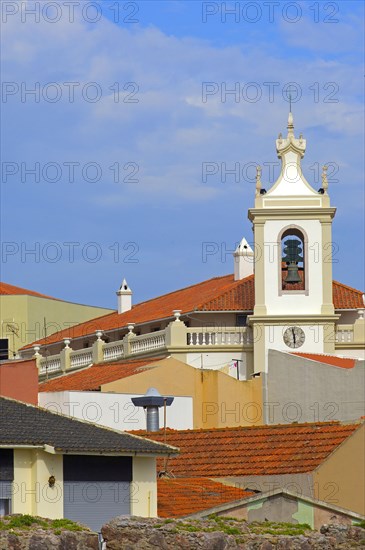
point(4, 506)
point(4, 349)
point(241, 319)
point(293, 260)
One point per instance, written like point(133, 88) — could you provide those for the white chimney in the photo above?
point(243, 260)
point(124, 297)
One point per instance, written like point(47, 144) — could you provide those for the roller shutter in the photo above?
point(96, 489)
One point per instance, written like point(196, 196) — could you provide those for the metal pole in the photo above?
point(238, 361)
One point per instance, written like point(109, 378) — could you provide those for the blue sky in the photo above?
point(118, 135)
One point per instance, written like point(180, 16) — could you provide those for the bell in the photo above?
point(293, 274)
point(292, 251)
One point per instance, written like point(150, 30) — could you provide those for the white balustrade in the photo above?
point(199, 336)
point(50, 364)
point(218, 337)
point(80, 358)
point(113, 350)
point(149, 342)
point(344, 334)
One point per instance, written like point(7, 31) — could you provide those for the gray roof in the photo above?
point(24, 424)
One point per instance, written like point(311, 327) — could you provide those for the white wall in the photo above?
point(115, 410)
point(296, 303)
point(354, 353)
point(313, 339)
point(219, 361)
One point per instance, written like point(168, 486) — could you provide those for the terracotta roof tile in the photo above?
point(181, 497)
point(254, 450)
point(218, 294)
point(91, 378)
point(334, 360)
point(11, 290)
point(346, 297)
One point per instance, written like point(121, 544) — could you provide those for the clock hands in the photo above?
point(294, 339)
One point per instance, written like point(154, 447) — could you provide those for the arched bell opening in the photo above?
point(293, 260)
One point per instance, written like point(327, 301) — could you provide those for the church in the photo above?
point(280, 318)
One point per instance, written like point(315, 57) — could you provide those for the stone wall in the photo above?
point(134, 533)
point(43, 540)
point(124, 533)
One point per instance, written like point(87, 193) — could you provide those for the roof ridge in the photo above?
point(182, 289)
point(354, 423)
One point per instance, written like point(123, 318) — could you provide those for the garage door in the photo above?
point(96, 489)
point(93, 503)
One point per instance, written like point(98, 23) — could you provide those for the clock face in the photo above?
point(294, 337)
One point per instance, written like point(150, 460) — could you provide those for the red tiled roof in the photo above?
point(181, 497)
point(91, 378)
point(218, 294)
point(334, 360)
point(253, 450)
point(200, 297)
point(346, 297)
point(11, 290)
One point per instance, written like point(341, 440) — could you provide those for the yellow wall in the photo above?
point(32, 494)
point(50, 501)
point(28, 313)
point(22, 501)
point(144, 488)
point(219, 400)
point(341, 478)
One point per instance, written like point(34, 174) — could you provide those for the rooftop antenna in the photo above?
point(45, 345)
point(10, 327)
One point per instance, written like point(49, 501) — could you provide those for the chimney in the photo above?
point(124, 297)
point(152, 401)
point(243, 260)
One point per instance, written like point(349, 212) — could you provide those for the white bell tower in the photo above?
point(292, 225)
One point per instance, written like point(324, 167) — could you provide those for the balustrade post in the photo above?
point(65, 355)
point(359, 329)
point(176, 332)
point(126, 342)
point(97, 349)
point(37, 356)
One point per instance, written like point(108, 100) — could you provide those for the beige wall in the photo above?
point(218, 399)
point(341, 478)
point(32, 494)
point(23, 503)
point(28, 314)
point(144, 487)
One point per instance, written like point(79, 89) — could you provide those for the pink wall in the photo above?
point(19, 380)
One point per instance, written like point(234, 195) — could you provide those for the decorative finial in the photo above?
point(324, 179)
point(258, 180)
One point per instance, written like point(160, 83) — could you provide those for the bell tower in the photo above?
point(292, 225)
